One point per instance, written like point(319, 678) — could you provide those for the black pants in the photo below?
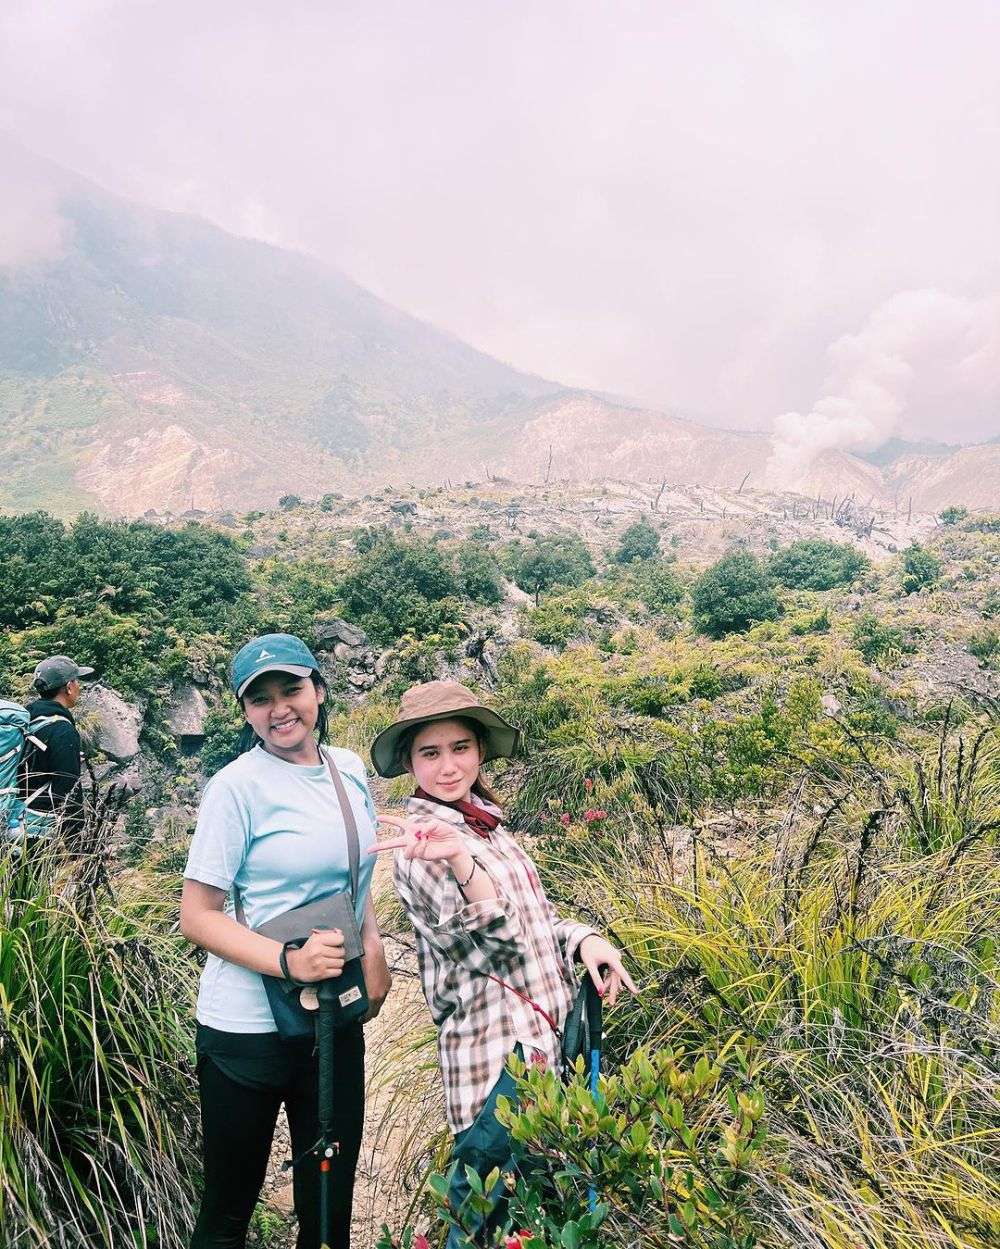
point(238, 1128)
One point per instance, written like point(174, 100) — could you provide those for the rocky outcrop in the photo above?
point(186, 712)
point(110, 723)
point(348, 647)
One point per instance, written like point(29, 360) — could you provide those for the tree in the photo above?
point(558, 560)
point(921, 568)
point(639, 541)
point(813, 564)
point(734, 594)
point(397, 587)
point(479, 574)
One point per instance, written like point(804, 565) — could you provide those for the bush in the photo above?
point(399, 587)
point(639, 541)
point(986, 647)
point(97, 1094)
point(554, 561)
point(654, 583)
point(952, 515)
point(812, 564)
point(879, 643)
point(734, 594)
point(478, 573)
point(921, 568)
point(666, 1143)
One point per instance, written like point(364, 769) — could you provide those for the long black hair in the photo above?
point(248, 738)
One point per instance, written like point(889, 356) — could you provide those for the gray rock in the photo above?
point(185, 715)
point(336, 630)
point(831, 705)
point(115, 724)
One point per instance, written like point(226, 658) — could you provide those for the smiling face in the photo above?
point(445, 758)
point(283, 710)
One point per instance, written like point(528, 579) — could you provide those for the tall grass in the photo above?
point(856, 951)
point(96, 1090)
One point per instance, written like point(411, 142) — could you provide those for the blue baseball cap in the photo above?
point(272, 652)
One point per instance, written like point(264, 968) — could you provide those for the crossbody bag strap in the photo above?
point(350, 823)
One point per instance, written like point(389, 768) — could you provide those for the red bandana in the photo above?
point(477, 818)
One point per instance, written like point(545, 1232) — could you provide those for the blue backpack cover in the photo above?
point(16, 728)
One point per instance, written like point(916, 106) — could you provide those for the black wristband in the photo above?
point(462, 883)
point(283, 964)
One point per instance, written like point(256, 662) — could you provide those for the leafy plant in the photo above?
point(812, 564)
point(734, 594)
point(639, 541)
point(921, 568)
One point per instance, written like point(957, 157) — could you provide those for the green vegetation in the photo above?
point(544, 563)
point(771, 802)
point(97, 1094)
point(734, 594)
point(639, 541)
point(952, 515)
point(921, 568)
point(812, 564)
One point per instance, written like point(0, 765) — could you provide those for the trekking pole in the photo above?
point(327, 1147)
point(595, 1039)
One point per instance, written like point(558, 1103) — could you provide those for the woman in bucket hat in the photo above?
point(496, 962)
point(271, 832)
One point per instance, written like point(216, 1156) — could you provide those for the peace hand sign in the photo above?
point(427, 839)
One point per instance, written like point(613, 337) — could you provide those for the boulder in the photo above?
point(332, 631)
point(114, 724)
point(831, 705)
point(186, 712)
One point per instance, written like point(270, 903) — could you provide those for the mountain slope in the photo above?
point(219, 369)
point(151, 360)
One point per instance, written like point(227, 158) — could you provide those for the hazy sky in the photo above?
point(743, 211)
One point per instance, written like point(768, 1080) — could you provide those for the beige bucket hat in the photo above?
point(441, 700)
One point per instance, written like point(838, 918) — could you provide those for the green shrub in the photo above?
point(734, 594)
point(478, 573)
point(812, 564)
point(97, 1093)
point(639, 541)
point(399, 587)
point(921, 568)
point(667, 1144)
point(879, 643)
point(654, 583)
point(952, 515)
point(985, 645)
point(554, 561)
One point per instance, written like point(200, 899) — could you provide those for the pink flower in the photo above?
point(588, 786)
point(594, 814)
point(564, 819)
point(421, 1242)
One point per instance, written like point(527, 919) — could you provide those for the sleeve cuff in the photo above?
point(206, 877)
point(575, 939)
point(475, 916)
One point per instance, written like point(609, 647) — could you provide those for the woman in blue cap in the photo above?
point(272, 833)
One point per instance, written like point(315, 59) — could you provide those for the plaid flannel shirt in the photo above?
point(516, 936)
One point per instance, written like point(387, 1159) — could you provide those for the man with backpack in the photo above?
point(51, 756)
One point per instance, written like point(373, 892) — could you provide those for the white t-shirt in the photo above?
point(273, 832)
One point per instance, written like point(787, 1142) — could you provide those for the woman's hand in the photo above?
point(321, 958)
point(594, 952)
point(427, 839)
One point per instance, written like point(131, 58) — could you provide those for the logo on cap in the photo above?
point(264, 654)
